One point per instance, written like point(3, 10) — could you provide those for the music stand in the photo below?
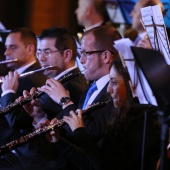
point(157, 73)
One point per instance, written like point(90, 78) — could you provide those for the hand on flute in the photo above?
point(74, 120)
point(54, 134)
point(33, 108)
point(10, 81)
point(54, 89)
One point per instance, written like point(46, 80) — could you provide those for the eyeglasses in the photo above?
point(86, 53)
point(46, 52)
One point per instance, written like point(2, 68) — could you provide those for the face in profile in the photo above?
point(16, 49)
point(117, 88)
point(81, 12)
point(92, 63)
point(48, 55)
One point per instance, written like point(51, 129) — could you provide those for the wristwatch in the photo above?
point(64, 101)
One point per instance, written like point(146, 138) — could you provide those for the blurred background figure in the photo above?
point(91, 13)
point(3, 33)
point(141, 40)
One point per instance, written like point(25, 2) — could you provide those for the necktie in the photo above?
point(89, 93)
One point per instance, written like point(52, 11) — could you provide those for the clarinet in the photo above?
point(35, 95)
point(42, 131)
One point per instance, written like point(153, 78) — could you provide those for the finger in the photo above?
point(48, 82)
point(46, 122)
point(10, 74)
point(43, 89)
point(72, 113)
point(32, 91)
point(16, 74)
point(35, 103)
point(6, 77)
point(20, 98)
point(79, 112)
point(53, 121)
point(26, 93)
point(53, 83)
point(66, 119)
point(52, 132)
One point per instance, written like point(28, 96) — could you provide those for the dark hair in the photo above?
point(27, 36)
point(64, 40)
point(121, 70)
point(121, 114)
point(104, 37)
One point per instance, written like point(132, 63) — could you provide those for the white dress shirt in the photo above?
point(19, 70)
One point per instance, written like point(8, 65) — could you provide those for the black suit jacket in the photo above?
point(75, 85)
point(25, 83)
point(34, 151)
point(95, 120)
point(122, 147)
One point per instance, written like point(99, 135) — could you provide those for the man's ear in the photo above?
point(68, 55)
point(89, 11)
point(31, 48)
point(107, 56)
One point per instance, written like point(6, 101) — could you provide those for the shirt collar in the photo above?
point(92, 26)
point(100, 83)
point(22, 69)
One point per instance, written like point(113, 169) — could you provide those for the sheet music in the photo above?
point(161, 32)
point(154, 25)
point(2, 27)
point(123, 46)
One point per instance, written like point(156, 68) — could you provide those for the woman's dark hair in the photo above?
point(120, 114)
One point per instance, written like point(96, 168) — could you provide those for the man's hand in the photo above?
point(33, 108)
point(55, 90)
point(54, 134)
point(74, 120)
point(10, 81)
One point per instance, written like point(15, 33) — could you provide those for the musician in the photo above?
point(122, 146)
point(20, 44)
point(57, 48)
point(90, 14)
point(141, 40)
point(97, 52)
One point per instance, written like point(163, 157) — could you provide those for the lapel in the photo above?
point(102, 95)
point(75, 70)
point(33, 67)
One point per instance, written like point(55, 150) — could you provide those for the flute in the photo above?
point(18, 104)
point(35, 71)
point(8, 61)
point(42, 131)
